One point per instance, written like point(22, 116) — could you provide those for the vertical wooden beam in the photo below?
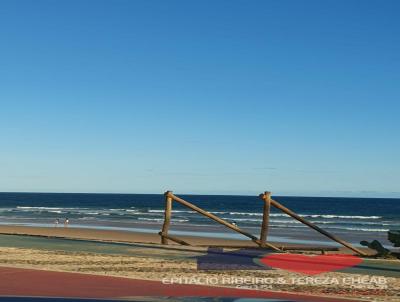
point(266, 197)
point(167, 217)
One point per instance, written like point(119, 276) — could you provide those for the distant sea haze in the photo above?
point(354, 219)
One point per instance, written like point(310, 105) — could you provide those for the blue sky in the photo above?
point(226, 97)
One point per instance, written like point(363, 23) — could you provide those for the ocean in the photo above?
point(353, 219)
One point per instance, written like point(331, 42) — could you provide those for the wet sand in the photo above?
point(113, 236)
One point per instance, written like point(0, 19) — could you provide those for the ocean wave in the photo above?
point(361, 223)
point(247, 219)
point(173, 211)
point(333, 224)
point(161, 220)
point(285, 221)
point(341, 222)
point(151, 219)
point(260, 220)
point(341, 228)
point(246, 213)
point(135, 211)
point(341, 216)
point(366, 230)
point(6, 210)
point(50, 208)
point(284, 226)
point(39, 208)
point(326, 216)
point(141, 214)
point(356, 229)
point(87, 218)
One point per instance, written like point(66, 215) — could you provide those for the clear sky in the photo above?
point(227, 97)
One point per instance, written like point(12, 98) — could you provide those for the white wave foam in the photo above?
point(50, 208)
point(174, 211)
point(161, 219)
point(284, 226)
point(151, 219)
point(248, 219)
point(367, 230)
point(246, 213)
point(341, 222)
point(232, 213)
point(216, 212)
point(342, 216)
point(87, 218)
point(326, 216)
point(39, 208)
point(285, 221)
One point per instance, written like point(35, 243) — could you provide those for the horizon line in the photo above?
point(195, 194)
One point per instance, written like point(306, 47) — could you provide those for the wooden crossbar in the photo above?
point(267, 198)
point(169, 197)
point(261, 242)
point(177, 240)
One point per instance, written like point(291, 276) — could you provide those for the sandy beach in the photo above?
point(151, 238)
point(148, 260)
point(113, 236)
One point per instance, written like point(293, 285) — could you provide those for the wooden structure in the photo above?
point(261, 242)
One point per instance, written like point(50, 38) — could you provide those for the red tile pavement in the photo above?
point(28, 282)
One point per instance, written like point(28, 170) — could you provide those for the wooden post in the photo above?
point(265, 223)
point(177, 240)
point(318, 229)
point(167, 217)
point(219, 220)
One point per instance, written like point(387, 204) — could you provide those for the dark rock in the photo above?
point(394, 237)
point(378, 247)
